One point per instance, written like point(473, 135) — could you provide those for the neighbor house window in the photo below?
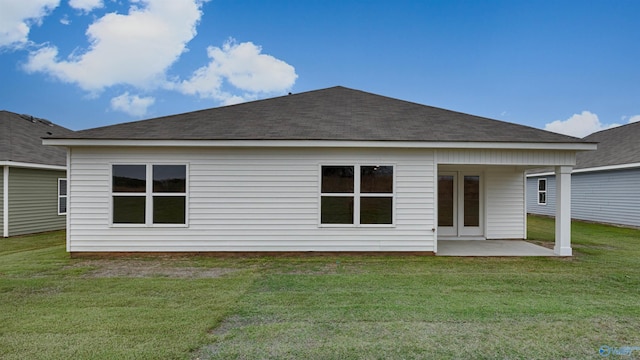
point(542, 191)
point(149, 194)
point(62, 196)
point(356, 195)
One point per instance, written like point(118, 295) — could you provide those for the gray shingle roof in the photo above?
point(616, 146)
point(335, 113)
point(21, 140)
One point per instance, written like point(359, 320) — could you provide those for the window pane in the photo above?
point(129, 178)
point(62, 205)
point(376, 179)
point(62, 185)
point(128, 209)
point(337, 210)
point(168, 209)
point(376, 210)
point(542, 198)
point(337, 179)
point(169, 178)
point(542, 184)
point(445, 200)
point(471, 201)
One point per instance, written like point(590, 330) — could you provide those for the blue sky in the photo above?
point(568, 66)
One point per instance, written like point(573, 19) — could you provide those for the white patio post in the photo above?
point(563, 211)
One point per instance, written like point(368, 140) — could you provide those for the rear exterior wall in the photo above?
point(250, 200)
point(267, 199)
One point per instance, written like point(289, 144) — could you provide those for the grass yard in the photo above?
point(326, 307)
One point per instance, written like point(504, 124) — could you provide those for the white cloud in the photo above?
point(579, 125)
point(634, 118)
point(243, 66)
point(65, 20)
point(17, 17)
point(133, 49)
point(133, 105)
point(86, 5)
point(136, 49)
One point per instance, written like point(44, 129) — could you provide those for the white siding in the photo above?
point(505, 203)
point(506, 157)
point(250, 200)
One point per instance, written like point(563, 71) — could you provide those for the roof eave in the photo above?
point(575, 146)
point(628, 166)
point(20, 164)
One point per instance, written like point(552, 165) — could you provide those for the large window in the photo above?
point(62, 196)
point(356, 195)
point(542, 191)
point(149, 194)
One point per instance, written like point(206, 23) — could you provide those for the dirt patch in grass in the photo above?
point(330, 267)
point(146, 268)
point(231, 323)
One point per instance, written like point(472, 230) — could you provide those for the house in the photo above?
point(605, 183)
point(327, 170)
point(32, 176)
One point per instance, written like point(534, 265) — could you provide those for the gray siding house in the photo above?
point(331, 170)
point(605, 183)
point(32, 176)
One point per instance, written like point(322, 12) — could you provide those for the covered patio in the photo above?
point(492, 248)
point(482, 209)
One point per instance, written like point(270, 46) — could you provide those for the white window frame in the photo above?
point(148, 195)
point(357, 195)
point(542, 191)
point(60, 196)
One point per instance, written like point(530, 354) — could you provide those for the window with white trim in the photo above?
point(62, 196)
point(148, 194)
point(357, 195)
point(542, 191)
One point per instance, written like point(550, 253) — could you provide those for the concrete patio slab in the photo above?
point(491, 248)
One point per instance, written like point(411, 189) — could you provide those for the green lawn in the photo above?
point(325, 307)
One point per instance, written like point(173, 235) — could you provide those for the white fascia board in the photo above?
point(323, 144)
point(549, 173)
point(593, 169)
point(608, 167)
point(32, 165)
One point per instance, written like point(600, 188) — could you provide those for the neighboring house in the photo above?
point(32, 176)
point(327, 170)
point(605, 183)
